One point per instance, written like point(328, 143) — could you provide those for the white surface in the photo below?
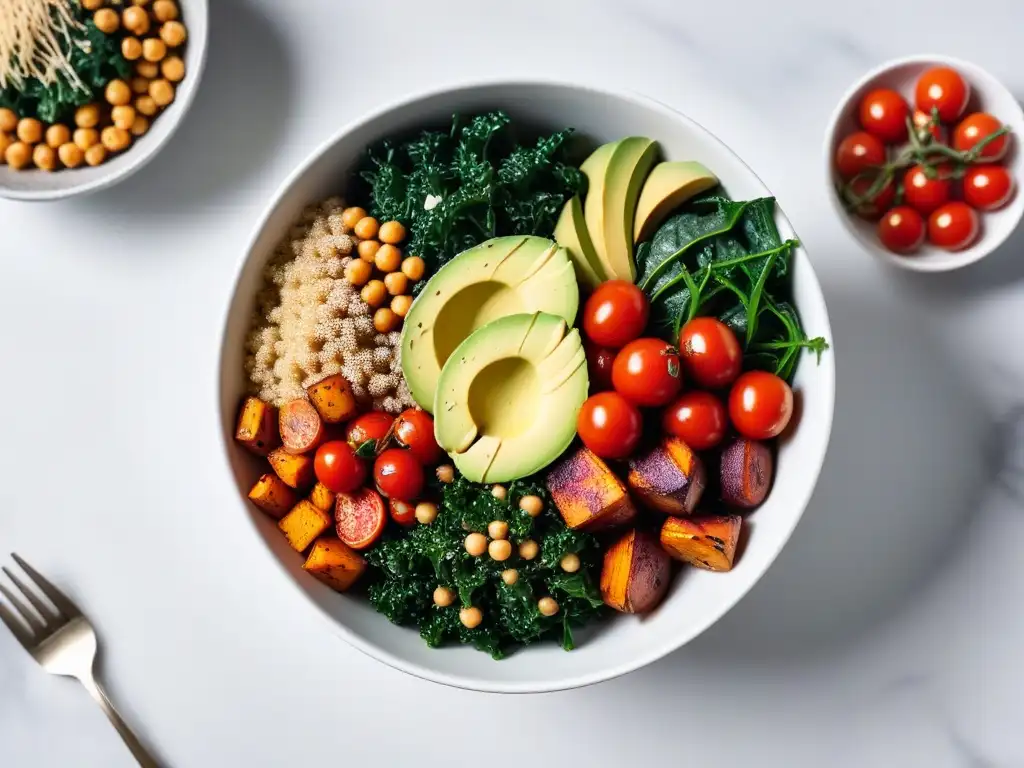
point(888, 632)
point(695, 601)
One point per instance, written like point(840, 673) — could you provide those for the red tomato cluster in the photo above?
point(945, 168)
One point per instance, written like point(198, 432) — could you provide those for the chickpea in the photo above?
point(162, 92)
point(8, 120)
point(106, 20)
point(85, 138)
point(471, 617)
point(367, 250)
point(165, 10)
point(532, 505)
point(118, 93)
point(547, 606)
point(45, 157)
point(351, 216)
point(92, 5)
point(95, 154)
point(366, 228)
point(139, 85)
point(135, 20)
point(145, 105)
point(58, 134)
point(358, 272)
point(385, 321)
point(5, 142)
point(499, 492)
point(476, 544)
point(173, 68)
point(426, 512)
point(87, 116)
point(30, 130)
point(528, 549)
point(392, 232)
point(131, 48)
point(374, 293)
point(401, 305)
point(115, 139)
point(510, 576)
point(140, 2)
point(173, 33)
point(139, 126)
point(445, 473)
point(497, 529)
point(147, 69)
point(443, 597)
point(570, 563)
point(414, 267)
point(396, 283)
point(388, 258)
point(70, 155)
point(500, 550)
point(18, 155)
point(153, 49)
point(123, 117)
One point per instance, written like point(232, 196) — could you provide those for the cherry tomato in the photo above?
point(924, 125)
point(415, 430)
point(943, 89)
point(858, 152)
point(398, 474)
point(370, 426)
point(924, 193)
point(609, 425)
point(976, 127)
point(697, 418)
point(953, 226)
point(883, 112)
point(901, 229)
point(599, 366)
point(337, 467)
point(615, 314)
point(710, 353)
point(402, 512)
point(987, 187)
point(646, 372)
point(873, 209)
point(760, 405)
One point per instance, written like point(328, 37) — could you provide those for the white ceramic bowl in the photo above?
point(987, 95)
point(36, 185)
point(697, 598)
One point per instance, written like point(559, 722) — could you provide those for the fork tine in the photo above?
point(65, 607)
point(16, 627)
point(45, 613)
point(30, 618)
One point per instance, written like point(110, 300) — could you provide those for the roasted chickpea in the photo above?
point(471, 617)
point(426, 512)
point(499, 492)
point(388, 258)
point(18, 154)
point(145, 105)
point(396, 283)
point(500, 550)
point(173, 33)
point(162, 92)
point(44, 157)
point(351, 216)
point(139, 126)
point(70, 155)
point(140, 2)
point(95, 154)
point(58, 134)
point(118, 93)
point(8, 120)
point(497, 529)
point(86, 137)
point(367, 250)
point(374, 293)
point(147, 69)
point(366, 228)
point(401, 305)
point(5, 142)
point(123, 117)
point(30, 130)
point(154, 49)
point(510, 576)
point(173, 68)
point(532, 505)
point(547, 606)
point(528, 549)
point(385, 321)
point(413, 268)
point(358, 272)
point(92, 5)
point(87, 116)
point(443, 597)
point(131, 48)
point(445, 473)
point(115, 139)
point(476, 544)
point(135, 20)
point(165, 10)
point(139, 85)
point(392, 232)
point(106, 20)
point(570, 563)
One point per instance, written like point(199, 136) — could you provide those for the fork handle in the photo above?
point(138, 751)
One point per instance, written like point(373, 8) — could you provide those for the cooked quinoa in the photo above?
point(310, 322)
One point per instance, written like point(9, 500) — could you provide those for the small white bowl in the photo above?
point(987, 95)
point(36, 185)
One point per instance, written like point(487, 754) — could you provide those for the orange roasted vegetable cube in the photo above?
point(272, 496)
point(635, 574)
point(322, 497)
point(333, 399)
point(706, 542)
point(303, 524)
point(669, 478)
point(587, 493)
point(257, 426)
point(294, 470)
point(335, 563)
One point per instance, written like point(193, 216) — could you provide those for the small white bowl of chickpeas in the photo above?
point(160, 50)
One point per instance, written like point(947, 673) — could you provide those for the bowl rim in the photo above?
point(955, 260)
point(184, 99)
point(609, 672)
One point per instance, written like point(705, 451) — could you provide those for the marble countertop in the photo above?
point(887, 633)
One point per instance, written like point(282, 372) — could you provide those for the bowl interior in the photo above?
point(33, 184)
point(697, 598)
point(987, 95)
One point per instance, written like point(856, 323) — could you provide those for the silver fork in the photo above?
point(63, 641)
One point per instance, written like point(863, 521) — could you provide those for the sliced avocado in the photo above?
point(508, 397)
point(571, 233)
point(670, 185)
point(499, 277)
point(615, 173)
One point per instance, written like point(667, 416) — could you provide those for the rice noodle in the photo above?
point(35, 38)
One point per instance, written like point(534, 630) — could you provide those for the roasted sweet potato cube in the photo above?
point(333, 399)
point(257, 426)
point(295, 471)
point(746, 471)
point(706, 542)
point(335, 563)
point(303, 524)
point(669, 478)
point(635, 574)
point(272, 496)
point(322, 497)
point(588, 494)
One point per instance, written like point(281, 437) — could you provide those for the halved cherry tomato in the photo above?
point(873, 209)
point(398, 474)
point(697, 418)
point(858, 152)
point(987, 187)
point(883, 112)
point(944, 89)
point(359, 517)
point(402, 512)
point(760, 405)
point(953, 226)
point(924, 193)
point(599, 366)
point(415, 430)
point(615, 314)
point(370, 426)
point(901, 229)
point(337, 467)
point(924, 125)
point(709, 352)
point(647, 372)
point(609, 425)
point(973, 128)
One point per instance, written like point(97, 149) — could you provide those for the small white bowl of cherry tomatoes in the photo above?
point(924, 160)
